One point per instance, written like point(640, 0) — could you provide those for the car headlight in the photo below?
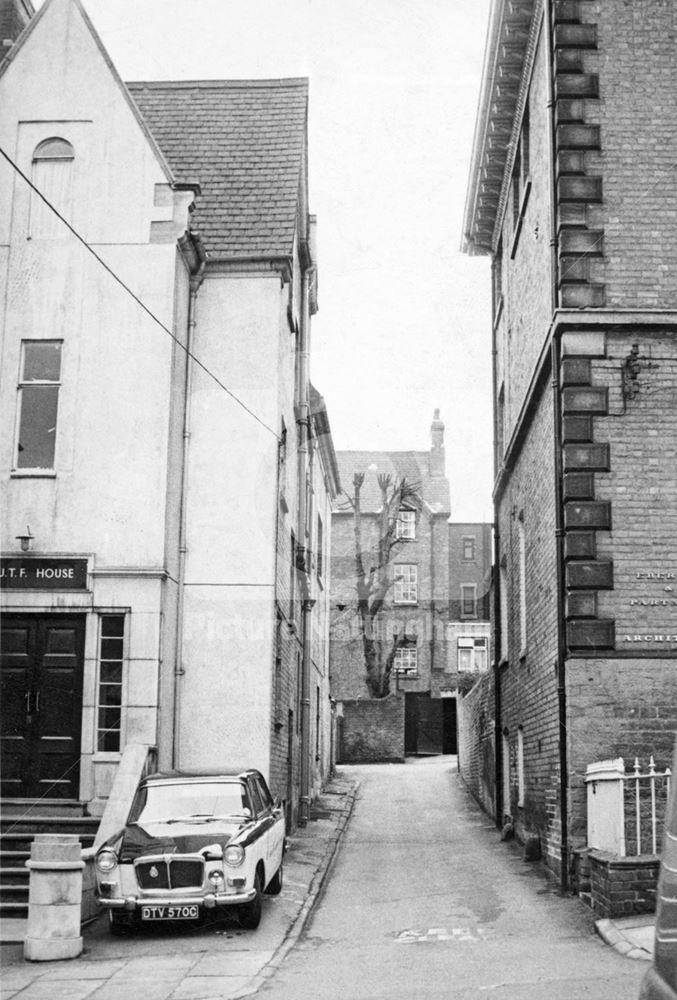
point(234, 855)
point(215, 876)
point(106, 861)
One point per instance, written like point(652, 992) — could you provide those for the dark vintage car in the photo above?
point(660, 981)
point(193, 844)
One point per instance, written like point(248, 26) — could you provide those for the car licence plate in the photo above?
point(187, 912)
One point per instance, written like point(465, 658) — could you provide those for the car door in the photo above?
point(276, 831)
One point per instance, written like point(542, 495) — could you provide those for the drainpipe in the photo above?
point(557, 449)
point(195, 280)
point(497, 641)
point(303, 424)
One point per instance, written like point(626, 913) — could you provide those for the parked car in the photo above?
point(660, 981)
point(193, 844)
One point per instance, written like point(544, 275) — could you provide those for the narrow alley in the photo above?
point(425, 900)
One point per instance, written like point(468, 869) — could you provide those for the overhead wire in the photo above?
point(135, 297)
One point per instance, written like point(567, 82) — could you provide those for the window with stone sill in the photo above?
point(472, 654)
point(406, 584)
point(406, 661)
point(405, 526)
point(37, 403)
point(468, 548)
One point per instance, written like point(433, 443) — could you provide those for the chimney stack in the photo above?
point(437, 463)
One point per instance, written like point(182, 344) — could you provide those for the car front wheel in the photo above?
point(275, 884)
point(119, 923)
point(250, 913)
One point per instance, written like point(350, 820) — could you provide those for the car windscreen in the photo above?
point(183, 800)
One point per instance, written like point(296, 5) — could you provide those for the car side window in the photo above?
point(256, 798)
point(266, 797)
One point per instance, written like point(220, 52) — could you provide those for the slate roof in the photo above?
point(413, 465)
point(244, 143)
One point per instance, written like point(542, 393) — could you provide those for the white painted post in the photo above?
point(606, 825)
point(652, 778)
point(54, 898)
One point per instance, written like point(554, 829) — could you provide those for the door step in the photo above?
point(41, 807)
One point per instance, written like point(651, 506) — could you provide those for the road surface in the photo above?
point(424, 900)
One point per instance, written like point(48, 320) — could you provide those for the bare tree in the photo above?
point(374, 578)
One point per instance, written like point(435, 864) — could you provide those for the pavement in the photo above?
point(630, 936)
point(215, 961)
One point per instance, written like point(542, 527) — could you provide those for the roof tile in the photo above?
point(244, 143)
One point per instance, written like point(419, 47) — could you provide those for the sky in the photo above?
point(404, 320)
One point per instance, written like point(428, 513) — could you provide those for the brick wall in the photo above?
point(616, 708)
point(620, 887)
point(527, 306)
point(463, 571)
point(372, 730)
point(641, 430)
point(476, 742)
point(636, 109)
point(528, 675)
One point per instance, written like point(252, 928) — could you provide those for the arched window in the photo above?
point(52, 175)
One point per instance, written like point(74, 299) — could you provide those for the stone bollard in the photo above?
point(54, 898)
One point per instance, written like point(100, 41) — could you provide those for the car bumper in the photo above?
point(207, 902)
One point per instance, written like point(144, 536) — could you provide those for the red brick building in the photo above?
point(468, 632)
point(416, 606)
point(573, 194)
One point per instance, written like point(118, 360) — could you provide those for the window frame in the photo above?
point(62, 200)
point(319, 555)
point(411, 651)
point(476, 648)
point(522, 588)
point(22, 384)
point(472, 587)
point(121, 684)
point(405, 527)
point(400, 586)
point(520, 182)
point(469, 541)
point(521, 787)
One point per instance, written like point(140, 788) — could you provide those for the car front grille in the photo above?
point(179, 873)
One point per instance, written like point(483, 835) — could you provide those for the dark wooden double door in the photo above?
point(429, 724)
point(41, 670)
